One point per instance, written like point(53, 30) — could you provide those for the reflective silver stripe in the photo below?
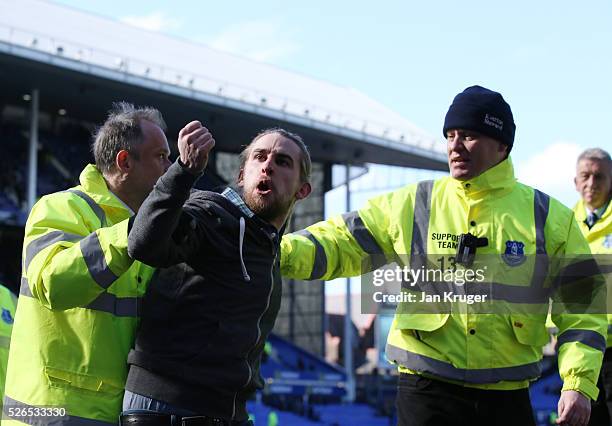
point(420, 223)
point(320, 262)
point(105, 302)
point(118, 306)
point(610, 328)
point(361, 234)
point(511, 293)
point(541, 204)
point(42, 420)
point(95, 261)
point(586, 337)
point(5, 341)
point(40, 243)
point(24, 288)
point(424, 364)
point(577, 271)
point(94, 206)
point(497, 291)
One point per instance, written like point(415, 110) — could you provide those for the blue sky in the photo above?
point(552, 61)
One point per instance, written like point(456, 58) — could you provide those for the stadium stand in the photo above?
point(62, 155)
point(52, 175)
point(303, 389)
point(545, 392)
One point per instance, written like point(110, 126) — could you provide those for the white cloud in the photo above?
point(154, 21)
point(261, 40)
point(552, 171)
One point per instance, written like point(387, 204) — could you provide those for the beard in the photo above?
point(268, 208)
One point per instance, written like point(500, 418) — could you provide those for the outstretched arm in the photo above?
point(350, 244)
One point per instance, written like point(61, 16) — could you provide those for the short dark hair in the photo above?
point(121, 131)
point(305, 161)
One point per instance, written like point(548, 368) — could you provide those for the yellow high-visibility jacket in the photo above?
point(8, 303)
point(495, 350)
point(599, 238)
point(78, 307)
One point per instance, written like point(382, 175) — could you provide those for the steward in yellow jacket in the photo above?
point(594, 216)
point(78, 306)
point(459, 359)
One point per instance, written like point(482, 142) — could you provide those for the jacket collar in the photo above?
point(498, 177)
point(237, 200)
point(580, 212)
point(95, 186)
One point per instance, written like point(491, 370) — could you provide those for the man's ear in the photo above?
point(576, 184)
point(123, 161)
point(240, 178)
point(304, 191)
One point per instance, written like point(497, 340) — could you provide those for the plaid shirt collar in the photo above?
point(237, 200)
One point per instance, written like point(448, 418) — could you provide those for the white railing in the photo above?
point(222, 89)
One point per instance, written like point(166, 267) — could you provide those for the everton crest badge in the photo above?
point(6, 316)
point(514, 254)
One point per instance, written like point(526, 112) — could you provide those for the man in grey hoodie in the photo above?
point(198, 351)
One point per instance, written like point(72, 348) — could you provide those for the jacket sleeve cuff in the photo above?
point(582, 385)
point(114, 242)
point(177, 179)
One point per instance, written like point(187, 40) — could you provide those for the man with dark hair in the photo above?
point(131, 168)
point(594, 216)
point(199, 348)
point(77, 311)
point(459, 363)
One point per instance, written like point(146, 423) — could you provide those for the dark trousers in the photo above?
point(601, 410)
point(141, 410)
point(426, 402)
point(152, 418)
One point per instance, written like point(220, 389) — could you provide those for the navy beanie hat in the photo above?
point(484, 111)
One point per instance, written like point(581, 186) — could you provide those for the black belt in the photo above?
point(160, 419)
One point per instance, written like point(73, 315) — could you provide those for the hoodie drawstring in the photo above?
point(245, 273)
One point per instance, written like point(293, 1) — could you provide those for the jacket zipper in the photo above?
point(258, 333)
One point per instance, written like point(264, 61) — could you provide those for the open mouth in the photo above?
point(264, 187)
point(459, 161)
